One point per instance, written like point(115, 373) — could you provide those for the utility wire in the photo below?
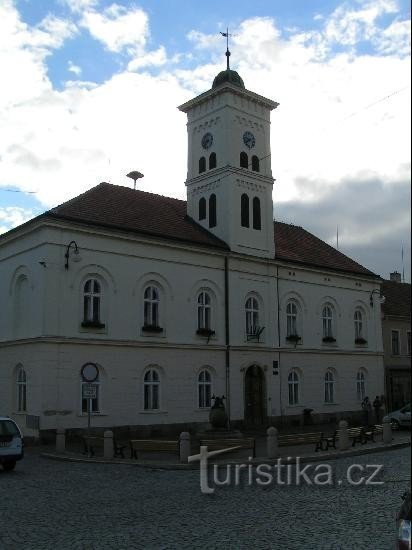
point(18, 191)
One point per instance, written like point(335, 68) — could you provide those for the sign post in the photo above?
point(89, 373)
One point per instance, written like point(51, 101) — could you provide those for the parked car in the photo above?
point(403, 523)
point(400, 418)
point(11, 443)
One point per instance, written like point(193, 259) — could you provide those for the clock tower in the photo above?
point(229, 180)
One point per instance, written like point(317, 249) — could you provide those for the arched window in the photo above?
point(212, 161)
point(244, 210)
point(252, 315)
point(257, 223)
point(21, 382)
point(358, 320)
point(204, 311)
point(327, 323)
point(360, 386)
point(255, 164)
point(212, 210)
point(204, 384)
point(291, 319)
point(92, 302)
point(95, 402)
point(293, 385)
point(202, 165)
point(329, 387)
point(202, 209)
point(151, 301)
point(244, 160)
point(151, 388)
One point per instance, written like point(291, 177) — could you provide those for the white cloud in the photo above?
point(117, 28)
point(75, 69)
point(78, 6)
point(12, 216)
point(330, 126)
point(155, 58)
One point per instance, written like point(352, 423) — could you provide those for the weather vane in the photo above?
point(226, 35)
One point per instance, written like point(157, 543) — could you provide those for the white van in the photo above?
point(11, 443)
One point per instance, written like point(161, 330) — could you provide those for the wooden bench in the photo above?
point(301, 439)
point(361, 435)
point(240, 443)
point(378, 430)
point(152, 445)
point(93, 442)
point(357, 435)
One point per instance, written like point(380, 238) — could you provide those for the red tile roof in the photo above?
point(138, 211)
point(295, 244)
point(397, 299)
point(146, 213)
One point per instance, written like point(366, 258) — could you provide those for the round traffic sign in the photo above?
point(89, 372)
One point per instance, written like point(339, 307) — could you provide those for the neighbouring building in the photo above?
point(175, 301)
point(396, 326)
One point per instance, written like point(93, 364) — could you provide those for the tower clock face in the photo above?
point(207, 140)
point(249, 140)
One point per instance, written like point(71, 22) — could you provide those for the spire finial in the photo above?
point(226, 35)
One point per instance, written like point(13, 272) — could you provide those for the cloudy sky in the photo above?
point(89, 91)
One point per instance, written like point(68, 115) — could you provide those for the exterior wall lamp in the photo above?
point(381, 298)
point(75, 252)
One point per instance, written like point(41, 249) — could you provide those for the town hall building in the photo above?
point(175, 302)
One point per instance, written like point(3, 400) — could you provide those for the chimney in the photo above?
point(395, 277)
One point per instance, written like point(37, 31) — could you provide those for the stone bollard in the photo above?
point(108, 451)
point(60, 440)
point(387, 431)
point(343, 441)
point(272, 446)
point(185, 448)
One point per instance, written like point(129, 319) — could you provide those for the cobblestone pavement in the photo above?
point(47, 504)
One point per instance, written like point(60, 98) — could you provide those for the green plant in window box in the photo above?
point(294, 338)
point(93, 324)
point(152, 328)
point(328, 339)
point(360, 341)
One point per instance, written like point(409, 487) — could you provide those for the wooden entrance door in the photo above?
point(255, 411)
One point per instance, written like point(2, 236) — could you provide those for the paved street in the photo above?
point(48, 504)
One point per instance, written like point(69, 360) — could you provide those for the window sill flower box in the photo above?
point(293, 338)
point(328, 340)
point(361, 341)
point(151, 328)
point(206, 332)
point(93, 324)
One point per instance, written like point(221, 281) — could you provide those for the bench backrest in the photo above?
point(299, 439)
point(153, 445)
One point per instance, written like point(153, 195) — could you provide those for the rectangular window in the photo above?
point(408, 342)
point(395, 343)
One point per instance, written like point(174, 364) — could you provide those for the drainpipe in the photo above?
point(280, 372)
point(227, 339)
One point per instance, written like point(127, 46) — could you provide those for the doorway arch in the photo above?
point(255, 396)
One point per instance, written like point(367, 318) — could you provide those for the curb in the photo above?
point(255, 461)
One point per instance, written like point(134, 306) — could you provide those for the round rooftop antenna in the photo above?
point(135, 175)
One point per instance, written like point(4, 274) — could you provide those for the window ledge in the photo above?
point(93, 324)
point(85, 415)
point(153, 411)
point(202, 409)
point(330, 404)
